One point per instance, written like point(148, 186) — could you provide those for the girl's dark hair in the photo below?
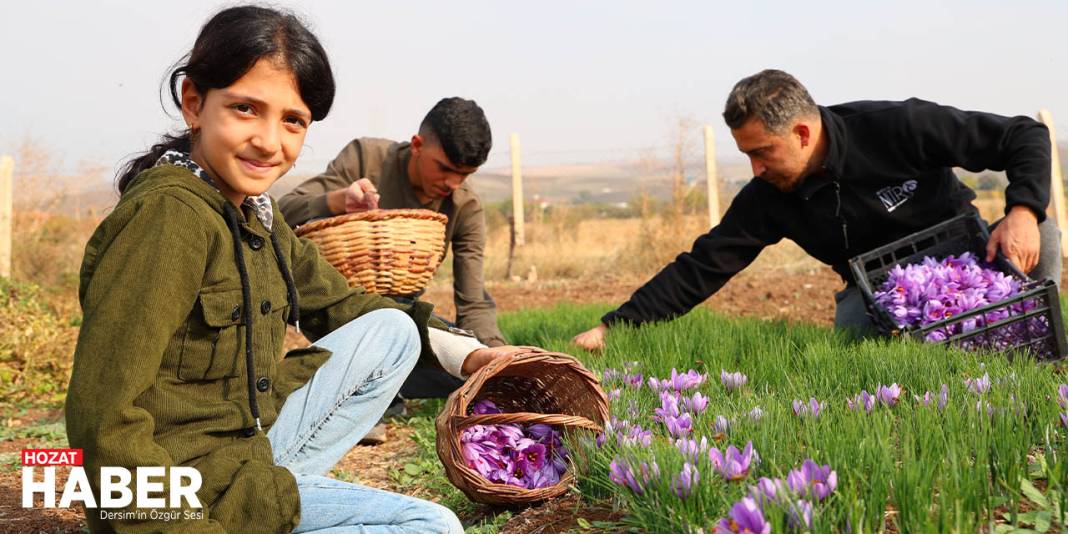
point(229, 44)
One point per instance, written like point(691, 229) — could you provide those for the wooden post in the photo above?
point(1056, 192)
point(713, 181)
point(7, 214)
point(517, 192)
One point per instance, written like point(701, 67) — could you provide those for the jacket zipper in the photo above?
point(838, 213)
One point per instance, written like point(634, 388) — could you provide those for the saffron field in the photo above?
point(886, 449)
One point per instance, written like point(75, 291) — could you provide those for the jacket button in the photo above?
point(249, 432)
point(263, 384)
point(236, 314)
point(256, 242)
point(265, 307)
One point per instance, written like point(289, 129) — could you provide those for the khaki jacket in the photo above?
point(159, 374)
point(385, 163)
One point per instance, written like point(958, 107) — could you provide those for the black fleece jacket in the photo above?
point(887, 173)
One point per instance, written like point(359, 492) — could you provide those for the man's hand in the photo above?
point(480, 357)
point(1017, 238)
point(592, 339)
point(361, 195)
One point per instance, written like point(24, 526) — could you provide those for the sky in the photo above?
point(579, 81)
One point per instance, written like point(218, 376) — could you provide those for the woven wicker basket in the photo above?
point(533, 387)
point(389, 252)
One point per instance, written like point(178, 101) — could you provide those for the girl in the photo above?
point(187, 287)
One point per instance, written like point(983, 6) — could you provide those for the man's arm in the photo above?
point(944, 136)
point(475, 309)
point(312, 199)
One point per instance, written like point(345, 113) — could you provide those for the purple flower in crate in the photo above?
point(686, 479)
point(943, 397)
point(888, 395)
point(1062, 395)
point(979, 386)
point(745, 517)
point(680, 426)
point(633, 380)
point(863, 400)
point(768, 490)
point(732, 464)
point(691, 449)
point(811, 409)
point(485, 406)
point(695, 404)
point(812, 480)
point(732, 381)
point(620, 473)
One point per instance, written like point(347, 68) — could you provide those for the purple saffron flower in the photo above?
point(732, 381)
point(943, 398)
point(745, 517)
point(863, 400)
point(811, 480)
point(756, 413)
point(686, 479)
point(621, 474)
point(812, 409)
point(695, 404)
point(732, 464)
point(799, 515)
point(600, 439)
point(888, 395)
point(1064, 419)
point(691, 449)
point(979, 386)
point(633, 380)
point(635, 435)
point(669, 407)
point(721, 425)
point(679, 381)
point(485, 406)
point(614, 394)
point(1062, 395)
point(610, 375)
point(925, 401)
point(680, 426)
point(768, 490)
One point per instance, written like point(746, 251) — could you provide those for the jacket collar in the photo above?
point(834, 162)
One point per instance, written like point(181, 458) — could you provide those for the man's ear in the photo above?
point(803, 133)
point(417, 143)
point(192, 104)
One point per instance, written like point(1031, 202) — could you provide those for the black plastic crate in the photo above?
point(1034, 314)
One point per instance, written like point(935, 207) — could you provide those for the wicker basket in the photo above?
point(389, 252)
point(533, 387)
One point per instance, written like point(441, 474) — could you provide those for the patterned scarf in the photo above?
point(261, 204)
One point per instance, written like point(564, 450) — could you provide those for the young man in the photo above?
point(428, 172)
point(845, 179)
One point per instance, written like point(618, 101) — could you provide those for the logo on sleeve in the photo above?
point(894, 196)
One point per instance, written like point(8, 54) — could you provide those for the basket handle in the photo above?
point(461, 421)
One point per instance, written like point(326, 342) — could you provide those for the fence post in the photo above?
point(7, 214)
point(1060, 211)
point(517, 191)
point(713, 180)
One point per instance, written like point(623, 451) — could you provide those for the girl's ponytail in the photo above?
point(147, 160)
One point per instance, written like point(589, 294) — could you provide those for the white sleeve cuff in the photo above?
point(452, 349)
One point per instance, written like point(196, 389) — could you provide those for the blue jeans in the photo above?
point(323, 419)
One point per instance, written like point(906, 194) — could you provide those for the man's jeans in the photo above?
point(322, 420)
point(850, 311)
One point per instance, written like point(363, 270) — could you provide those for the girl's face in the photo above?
point(250, 133)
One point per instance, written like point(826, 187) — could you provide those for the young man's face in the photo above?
point(432, 174)
point(779, 159)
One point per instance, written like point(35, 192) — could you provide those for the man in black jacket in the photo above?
point(845, 179)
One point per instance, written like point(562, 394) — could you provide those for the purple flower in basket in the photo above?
point(686, 479)
point(811, 480)
point(732, 464)
point(485, 406)
point(812, 409)
point(745, 517)
point(888, 395)
point(732, 381)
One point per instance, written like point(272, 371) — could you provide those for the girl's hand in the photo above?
point(480, 357)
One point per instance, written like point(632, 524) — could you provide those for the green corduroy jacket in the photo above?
point(159, 374)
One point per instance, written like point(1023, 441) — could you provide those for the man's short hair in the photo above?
point(772, 96)
point(461, 128)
